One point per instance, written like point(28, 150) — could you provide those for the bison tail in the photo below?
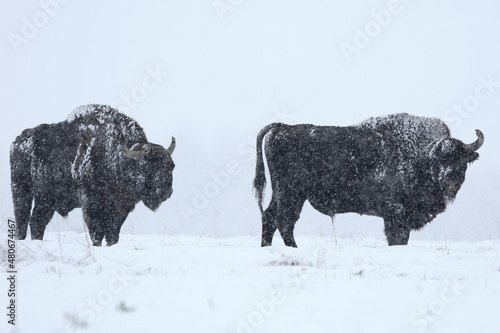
point(259, 182)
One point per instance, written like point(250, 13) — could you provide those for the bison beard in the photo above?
point(86, 161)
point(403, 168)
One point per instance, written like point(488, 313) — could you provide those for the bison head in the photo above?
point(450, 158)
point(156, 167)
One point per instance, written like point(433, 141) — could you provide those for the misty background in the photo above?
point(213, 73)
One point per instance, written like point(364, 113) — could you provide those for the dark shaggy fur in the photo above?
point(402, 168)
point(80, 163)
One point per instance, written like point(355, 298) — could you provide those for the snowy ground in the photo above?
point(174, 283)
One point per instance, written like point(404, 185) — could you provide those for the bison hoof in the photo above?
point(398, 242)
point(397, 237)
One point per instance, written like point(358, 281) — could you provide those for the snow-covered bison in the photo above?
point(403, 168)
point(99, 160)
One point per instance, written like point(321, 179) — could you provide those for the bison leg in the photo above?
point(96, 233)
point(112, 233)
point(288, 214)
point(104, 220)
point(396, 234)
point(112, 237)
point(286, 232)
point(21, 186)
point(95, 218)
point(42, 214)
point(22, 212)
point(269, 224)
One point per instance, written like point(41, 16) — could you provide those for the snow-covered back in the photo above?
point(412, 131)
point(103, 128)
point(81, 111)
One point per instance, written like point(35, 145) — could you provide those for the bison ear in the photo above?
point(133, 154)
point(473, 156)
point(433, 148)
point(440, 148)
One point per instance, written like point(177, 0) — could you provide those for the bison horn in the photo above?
point(171, 149)
point(476, 144)
point(133, 154)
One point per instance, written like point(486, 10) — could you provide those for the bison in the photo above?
point(402, 168)
point(98, 159)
